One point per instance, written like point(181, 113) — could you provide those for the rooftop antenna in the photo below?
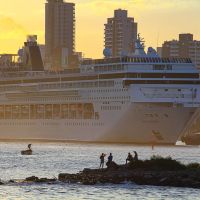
point(158, 35)
point(141, 40)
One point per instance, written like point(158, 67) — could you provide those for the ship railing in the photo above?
point(39, 75)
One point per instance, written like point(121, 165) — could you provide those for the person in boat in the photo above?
point(135, 158)
point(27, 151)
point(102, 160)
point(29, 147)
point(129, 158)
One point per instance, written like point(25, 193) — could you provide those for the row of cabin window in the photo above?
point(110, 90)
point(51, 124)
point(63, 85)
point(122, 60)
point(83, 124)
point(110, 107)
point(51, 99)
point(109, 68)
point(111, 98)
point(47, 116)
point(79, 85)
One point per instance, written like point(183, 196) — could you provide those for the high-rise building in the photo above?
point(185, 47)
point(59, 32)
point(120, 33)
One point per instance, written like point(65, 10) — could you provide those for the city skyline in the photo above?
point(157, 21)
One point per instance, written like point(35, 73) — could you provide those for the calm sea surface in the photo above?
point(51, 159)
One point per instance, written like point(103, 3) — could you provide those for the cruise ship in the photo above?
point(139, 98)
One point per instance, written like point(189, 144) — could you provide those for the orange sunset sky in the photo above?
point(158, 20)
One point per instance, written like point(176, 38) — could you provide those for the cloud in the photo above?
point(12, 35)
point(10, 29)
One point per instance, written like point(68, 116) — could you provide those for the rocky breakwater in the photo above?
point(157, 171)
point(30, 180)
point(35, 179)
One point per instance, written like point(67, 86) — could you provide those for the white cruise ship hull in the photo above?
point(143, 100)
point(140, 123)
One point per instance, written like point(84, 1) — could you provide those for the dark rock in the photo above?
point(158, 171)
point(86, 170)
point(46, 180)
point(179, 178)
point(70, 178)
point(164, 180)
point(39, 180)
point(112, 165)
point(32, 179)
point(89, 182)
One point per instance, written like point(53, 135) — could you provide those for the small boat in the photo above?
point(27, 152)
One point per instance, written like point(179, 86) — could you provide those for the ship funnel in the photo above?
point(32, 58)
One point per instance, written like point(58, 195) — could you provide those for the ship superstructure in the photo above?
point(138, 98)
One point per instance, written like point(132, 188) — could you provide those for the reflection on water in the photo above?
point(48, 160)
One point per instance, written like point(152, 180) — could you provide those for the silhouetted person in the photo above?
point(129, 158)
point(136, 156)
point(111, 164)
point(110, 158)
point(29, 147)
point(102, 160)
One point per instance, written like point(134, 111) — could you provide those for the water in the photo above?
point(51, 159)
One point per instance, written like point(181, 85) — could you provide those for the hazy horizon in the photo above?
point(157, 20)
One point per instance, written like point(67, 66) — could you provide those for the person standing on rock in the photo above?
point(110, 159)
point(111, 164)
point(102, 160)
point(129, 158)
point(136, 156)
